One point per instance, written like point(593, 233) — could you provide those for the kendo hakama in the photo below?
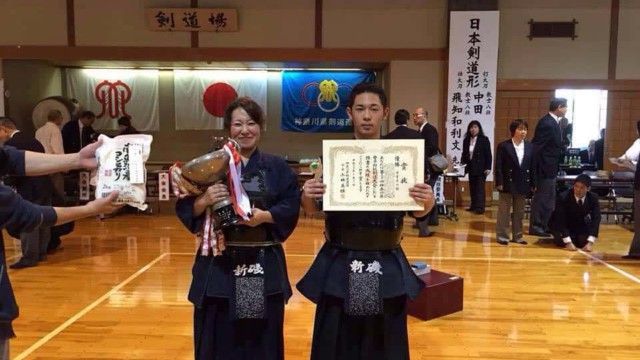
point(230, 321)
point(360, 281)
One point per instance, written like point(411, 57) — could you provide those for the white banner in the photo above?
point(112, 93)
point(201, 96)
point(473, 66)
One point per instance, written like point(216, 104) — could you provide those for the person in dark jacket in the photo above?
point(513, 179)
point(404, 132)
point(36, 189)
point(547, 150)
point(599, 150)
point(576, 220)
point(361, 279)
point(124, 124)
point(77, 134)
point(476, 155)
point(431, 148)
point(633, 154)
point(239, 290)
point(21, 215)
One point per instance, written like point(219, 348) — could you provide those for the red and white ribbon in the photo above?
point(239, 197)
point(211, 240)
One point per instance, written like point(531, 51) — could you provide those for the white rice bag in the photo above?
point(121, 166)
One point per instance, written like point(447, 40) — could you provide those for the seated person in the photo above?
point(576, 220)
point(588, 156)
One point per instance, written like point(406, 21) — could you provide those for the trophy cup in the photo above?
point(212, 168)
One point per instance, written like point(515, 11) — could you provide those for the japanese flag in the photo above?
point(201, 96)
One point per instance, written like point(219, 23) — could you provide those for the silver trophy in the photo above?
point(210, 169)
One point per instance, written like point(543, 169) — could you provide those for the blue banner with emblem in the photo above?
point(316, 101)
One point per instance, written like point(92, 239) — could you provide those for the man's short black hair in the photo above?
point(556, 103)
point(367, 88)
point(584, 179)
point(402, 116)
point(87, 115)
point(7, 122)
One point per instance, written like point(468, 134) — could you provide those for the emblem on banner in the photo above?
point(327, 98)
point(113, 96)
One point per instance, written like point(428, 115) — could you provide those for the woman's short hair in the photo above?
point(515, 124)
point(252, 108)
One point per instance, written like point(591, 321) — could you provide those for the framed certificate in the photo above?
point(371, 174)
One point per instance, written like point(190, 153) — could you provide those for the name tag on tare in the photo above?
point(136, 164)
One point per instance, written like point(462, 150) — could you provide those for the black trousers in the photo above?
point(217, 336)
point(338, 336)
point(476, 190)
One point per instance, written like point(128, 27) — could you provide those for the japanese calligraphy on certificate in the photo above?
point(371, 174)
point(473, 65)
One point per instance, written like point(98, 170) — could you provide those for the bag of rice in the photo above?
point(121, 166)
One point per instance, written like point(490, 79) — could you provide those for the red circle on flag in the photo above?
point(217, 97)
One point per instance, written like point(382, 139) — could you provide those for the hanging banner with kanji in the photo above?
point(473, 64)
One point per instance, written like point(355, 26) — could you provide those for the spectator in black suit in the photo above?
point(77, 134)
point(599, 150)
point(476, 154)
point(21, 215)
point(514, 180)
point(404, 132)
point(633, 154)
point(576, 220)
point(430, 135)
point(566, 130)
point(547, 151)
point(588, 156)
point(36, 189)
point(124, 124)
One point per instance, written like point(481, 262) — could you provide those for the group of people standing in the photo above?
point(571, 218)
point(360, 279)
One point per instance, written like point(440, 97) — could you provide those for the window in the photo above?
point(587, 111)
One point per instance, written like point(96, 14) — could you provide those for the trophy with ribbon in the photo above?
point(220, 166)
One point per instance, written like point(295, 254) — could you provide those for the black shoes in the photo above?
point(631, 257)
point(538, 232)
point(505, 242)
point(23, 263)
point(520, 241)
point(427, 234)
point(475, 210)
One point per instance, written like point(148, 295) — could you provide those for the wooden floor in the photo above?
point(118, 291)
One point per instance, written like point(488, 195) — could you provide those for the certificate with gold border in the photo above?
point(373, 175)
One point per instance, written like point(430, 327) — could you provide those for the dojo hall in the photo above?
point(117, 286)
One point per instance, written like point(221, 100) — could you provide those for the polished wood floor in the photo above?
point(118, 291)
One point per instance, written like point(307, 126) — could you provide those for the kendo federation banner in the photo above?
point(316, 101)
point(113, 93)
point(473, 64)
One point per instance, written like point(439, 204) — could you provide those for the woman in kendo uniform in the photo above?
point(239, 294)
point(361, 279)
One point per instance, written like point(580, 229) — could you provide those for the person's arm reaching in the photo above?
point(41, 164)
